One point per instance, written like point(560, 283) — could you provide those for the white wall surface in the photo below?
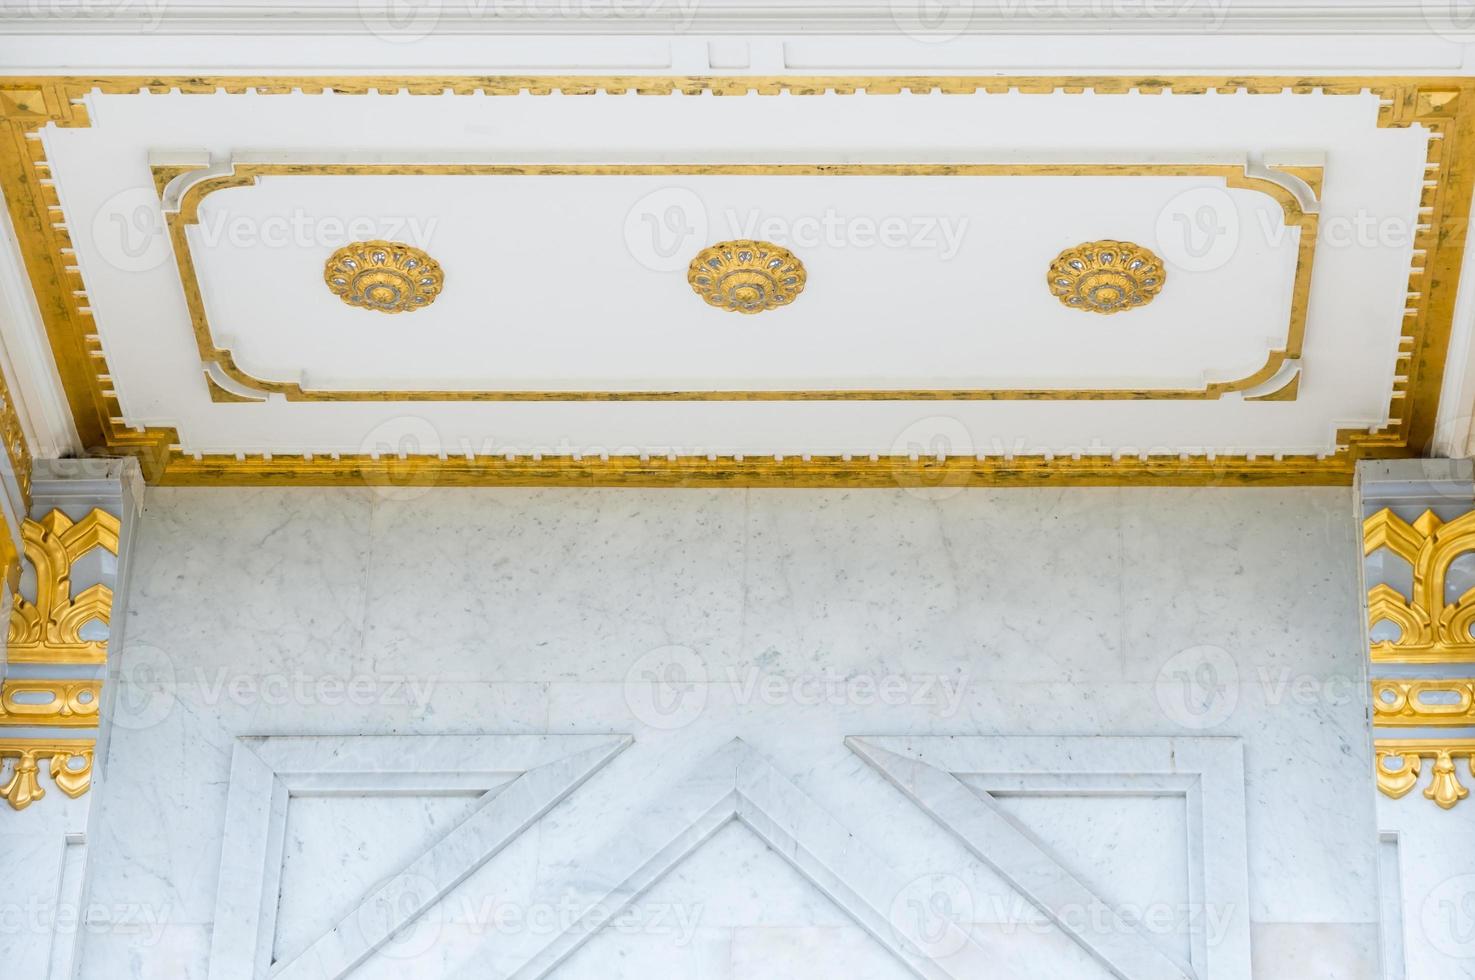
point(789, 620)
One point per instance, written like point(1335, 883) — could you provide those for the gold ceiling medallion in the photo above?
point(1430, 628)
point(1400, 761)
point(390, 277)
point(1106, 276)
point(49, 630)
point(746, 276)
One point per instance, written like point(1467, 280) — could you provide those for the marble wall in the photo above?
point(676, 674)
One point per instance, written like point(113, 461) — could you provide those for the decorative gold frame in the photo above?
point(1445, 107)
point(186, 214)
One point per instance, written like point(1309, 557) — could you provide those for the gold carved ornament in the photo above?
point(1399, 763)
point(49, 630)
point(57, 702)
point(1431, 629)
point(390, 277)
point(70, 768)
point(746, 276)
point(1406, 703)
point(1106, 277)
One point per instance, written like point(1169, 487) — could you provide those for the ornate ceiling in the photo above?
point(941, 279)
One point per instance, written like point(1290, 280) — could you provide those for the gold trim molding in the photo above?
point(1402, 703)
point(70, 704)
point(24, 787)
point(1399, 764)
point(1441, 106)
point(1432, 629)
point(49, 630)
point(185, 213)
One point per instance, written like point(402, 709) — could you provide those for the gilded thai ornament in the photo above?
point(1431, 629)
point(1399, 763)
point(746, 276)
point(70, 768)
point(1106, 277)
point(63, 703)
point(49, 630)
point(1403, 702)
point(390, 277)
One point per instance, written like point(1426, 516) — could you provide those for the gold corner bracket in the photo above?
point(1399, 763)
point(70, 768)
point(49, 629)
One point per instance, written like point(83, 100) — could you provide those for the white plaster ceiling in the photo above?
point(552, 283)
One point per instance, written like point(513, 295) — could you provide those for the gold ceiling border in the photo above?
point(1442, 105)
point(49, 630)
point(1398, 763)
point(24, 788)
point(180, 217)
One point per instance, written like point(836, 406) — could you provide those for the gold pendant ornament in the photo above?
point(1106, 277)
point(390, 277)
point(746, 276)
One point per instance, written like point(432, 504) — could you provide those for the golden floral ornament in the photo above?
point(69, 766)
point(390, 277)
point(1399, 764)
point(1106, 276)
point(746, 276)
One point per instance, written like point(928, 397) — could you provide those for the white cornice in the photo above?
point(923, 19)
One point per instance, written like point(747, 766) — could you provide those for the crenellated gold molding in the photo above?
point(70, 768)
point(72, 703)
point(1432, 629)
point(1399, 764)
point(49, 629)
point(1441, 106)
point(14, 437)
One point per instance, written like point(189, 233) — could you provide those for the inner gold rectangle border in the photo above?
point(1444, 106)
point(183, 213)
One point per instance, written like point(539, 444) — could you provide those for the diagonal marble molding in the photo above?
point(739, 783)
point(1208, 772)
point(267, 770)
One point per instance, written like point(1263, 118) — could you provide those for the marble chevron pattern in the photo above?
point(1207, 772)
point(267, 770)
point(739, 783)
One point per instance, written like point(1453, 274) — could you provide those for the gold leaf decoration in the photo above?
point(70, 769)
point(1399, 762)
point(49, 630)
point(746, 276)
point(1432, 630)
point(69, 703)
point(1106, 277)
point(1402, 702)
point(390, 277)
